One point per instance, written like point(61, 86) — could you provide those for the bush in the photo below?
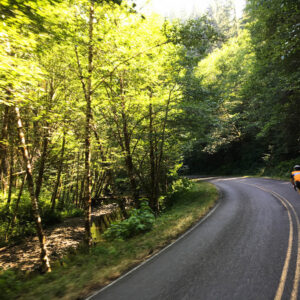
point(177, 189)
point(9, 283)
point(281, 169)
point(50, 217)
point(140, 220)
point(72, 213)
point(24, 224)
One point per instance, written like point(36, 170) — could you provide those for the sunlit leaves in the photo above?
point(224, 73)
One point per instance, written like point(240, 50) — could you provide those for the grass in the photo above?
point(282, 178)
point(78, 275)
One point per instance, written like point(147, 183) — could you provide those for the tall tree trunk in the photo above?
point(103, 173)
point(11, 177)
point(46, 136)
point(3, 148)
point(39, 180)
point(35, 208)
point(87, 162)
point(153, 182)
point(128, 155)
point(159, 167)
point(59, 171)
point(61, 199)
point(86, 83)
point(81, 194)
point(11, 225)
point(70, 194)
point(77, 181)
point(100, 184)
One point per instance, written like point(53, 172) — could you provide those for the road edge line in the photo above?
point(285, 203)
point(294, 294)
point(164, 249)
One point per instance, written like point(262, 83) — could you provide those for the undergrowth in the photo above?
point(77, 274)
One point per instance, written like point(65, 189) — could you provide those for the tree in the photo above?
point(274, 28)
point(44, 254)
point(223, 16)
point(18, 73)
point(252, 85)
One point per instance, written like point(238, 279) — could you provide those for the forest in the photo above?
point(102, 104)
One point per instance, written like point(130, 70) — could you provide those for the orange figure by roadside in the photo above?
point(295, 178)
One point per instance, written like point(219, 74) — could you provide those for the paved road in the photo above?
point(248, 248)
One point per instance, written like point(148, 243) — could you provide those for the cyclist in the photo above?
point(295, 178)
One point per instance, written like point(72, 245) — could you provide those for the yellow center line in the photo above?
point(297, 271)
point(284, 272)
point(285, 269)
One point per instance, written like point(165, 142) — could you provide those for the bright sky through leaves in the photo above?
point(182, 9)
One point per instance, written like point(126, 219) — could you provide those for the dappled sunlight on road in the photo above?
point(227, 179)
point(214, 178)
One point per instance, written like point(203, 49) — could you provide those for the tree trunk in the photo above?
point(103, 173)
point(153, 174)
point(159, 168)
point(82, 187)
point(87, 162)
point(61, 199)
point(3, 148)
point(46, 136)
point(100, 184)
point(11, 177)
point(128, 156)
point(35, 208)
point(11, 225)
point(39, 180)
point(70, 194)
point(122, 206)
point(77, 181)
point(60, 167)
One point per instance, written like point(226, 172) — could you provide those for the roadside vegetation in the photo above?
point(102, 105)
point(78, 274)
point(251, 86)
point(91, 113)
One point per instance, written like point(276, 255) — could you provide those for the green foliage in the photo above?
point(9, 284)
point(73, 213)
point(140, 220)
point(50, 217)
point(274, 30)
point(178, 188)
point(158, 89)
point(24, 223)
point(223, 74)
point(44, 70)
point(280, 169)
point(75, 273)
point(223, 16)
point(196, 36)
point(251, 85)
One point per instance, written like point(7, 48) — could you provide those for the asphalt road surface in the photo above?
point(247, 248)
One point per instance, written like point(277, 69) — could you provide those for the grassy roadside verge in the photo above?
point(281, 178)
point(82, 273)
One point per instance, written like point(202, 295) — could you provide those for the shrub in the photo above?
point(9, 283)
point(73, 212)
point(140, 220)
point(51, 217)
point(281, 168)
point(177, 189)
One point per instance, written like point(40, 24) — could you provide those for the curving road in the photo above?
point(247, 248)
